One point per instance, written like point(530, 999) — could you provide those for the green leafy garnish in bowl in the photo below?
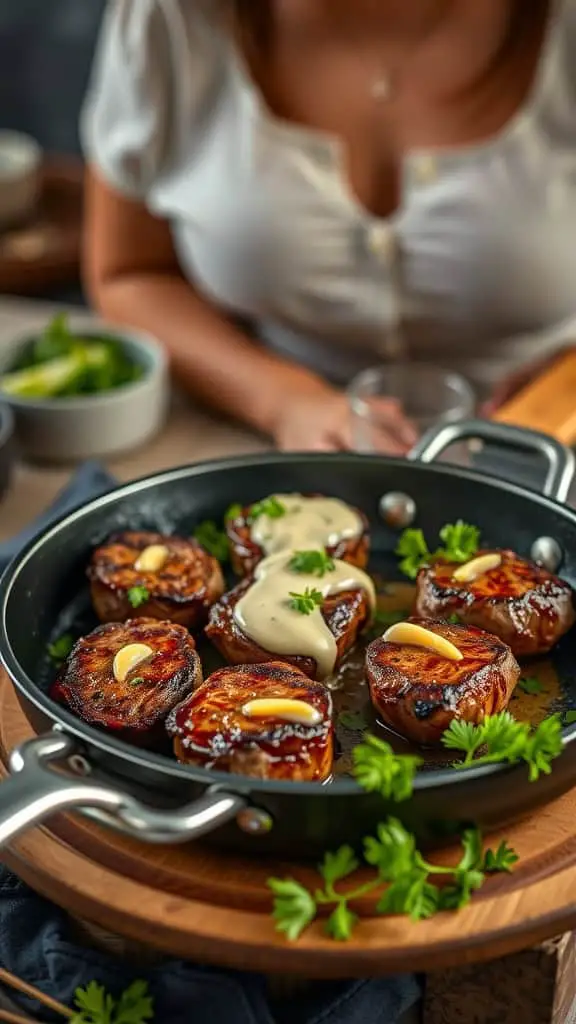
point(60, 364)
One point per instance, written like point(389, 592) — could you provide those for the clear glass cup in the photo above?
point(427, 395)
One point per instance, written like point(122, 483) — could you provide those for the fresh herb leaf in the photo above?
point(505, 739)
point(306, 602)
point(233, 512)
point(270, 507)
point(411, 894)
point(569, 717)
point(392, 851)
point(378, 769)
point(96, 1006)
point(294, 906)
point(460, 540)
point(460, 543)
point(213, 540)
point(336, 866)
point(385, 618)
point(502, 859)
point(353, 720)
point(61, 648)
point(530, 685)
point(136, 681)
point(454, 619)
point(413, 551)
point(314, 563)
point(341, 922)
point(138, 596)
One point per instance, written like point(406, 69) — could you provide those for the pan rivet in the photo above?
point(79, 765)
point(546, 552)
point(254, 821)
point(398, 510)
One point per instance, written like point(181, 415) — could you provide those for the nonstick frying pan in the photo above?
point(149, 795)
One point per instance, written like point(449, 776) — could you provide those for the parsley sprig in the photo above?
point(379, 769)
point(314, 563)
point(60, 648)
point(460, 542)
point(213, 540)
point(400, 871)
point(138, 596)
point(502, 738)
point(94, 1005)
point(307, 601)
point(270, 507)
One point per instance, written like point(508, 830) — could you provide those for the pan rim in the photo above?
point(107, 744)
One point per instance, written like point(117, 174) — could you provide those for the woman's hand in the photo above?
point(316, 417)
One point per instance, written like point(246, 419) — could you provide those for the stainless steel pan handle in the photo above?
point(560, 460)
point(37, 789)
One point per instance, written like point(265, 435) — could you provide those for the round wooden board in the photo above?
point(202, 905)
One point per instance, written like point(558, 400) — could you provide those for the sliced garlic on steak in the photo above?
point(281, 707)
point(152, 559)
point(418, 636)
point(470, 571)
point(129, 657)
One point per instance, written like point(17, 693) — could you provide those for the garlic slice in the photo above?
point(417, 636)
point(152, 559)
point(129, 657)
point(470, 571)
point(280, 707)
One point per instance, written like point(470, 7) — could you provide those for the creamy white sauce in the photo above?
point(307, 523)
point(265, 615)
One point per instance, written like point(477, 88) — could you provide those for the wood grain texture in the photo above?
point(548, 403)
point(193, 902)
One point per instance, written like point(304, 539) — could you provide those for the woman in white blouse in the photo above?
point(273, 183)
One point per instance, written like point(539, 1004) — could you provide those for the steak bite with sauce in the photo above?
point(525, 605)
point(424, 673)
point(162, 577)
point(292, 522)
point(309, 619)
point(267, 721)
point(127, 677)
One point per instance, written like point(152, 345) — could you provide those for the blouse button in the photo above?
point(426, 169)
point(381, 242)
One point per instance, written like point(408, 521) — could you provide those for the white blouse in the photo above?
point(478, 264)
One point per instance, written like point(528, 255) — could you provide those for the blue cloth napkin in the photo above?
point(36, 943)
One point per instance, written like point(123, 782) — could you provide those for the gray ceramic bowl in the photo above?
point(6, 447)
point(71, 429)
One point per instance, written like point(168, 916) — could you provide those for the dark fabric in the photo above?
point(35, 943)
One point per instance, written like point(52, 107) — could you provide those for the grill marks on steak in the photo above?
point(136, 708)
point(418, 694)
point(245, 554)
point(526, 606)
point(210, 729)
point(182, 590)
point(346, 614)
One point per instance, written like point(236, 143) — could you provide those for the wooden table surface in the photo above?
point(190, 434)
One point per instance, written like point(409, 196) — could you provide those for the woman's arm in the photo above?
point(132, 277)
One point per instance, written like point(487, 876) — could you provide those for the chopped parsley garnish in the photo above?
point(270, 507)
point(315, 563)
point(60, 649)
point(233, 512)
point(460, 543)
point(213, 540)
point(138, 596)
point(136, 681)
point(530, 685)
point(306, 602)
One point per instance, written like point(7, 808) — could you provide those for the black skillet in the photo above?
point(153, 797)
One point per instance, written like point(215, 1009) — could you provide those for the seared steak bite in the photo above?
point(268, 721)
point(418, 691)
point(127, 676)
point(526, 606)
point(289, 522)
point(158, 576)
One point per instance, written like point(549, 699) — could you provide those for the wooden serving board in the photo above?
point(548, 403)
point(212, 907)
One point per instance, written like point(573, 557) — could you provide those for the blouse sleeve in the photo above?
point(153, 64)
